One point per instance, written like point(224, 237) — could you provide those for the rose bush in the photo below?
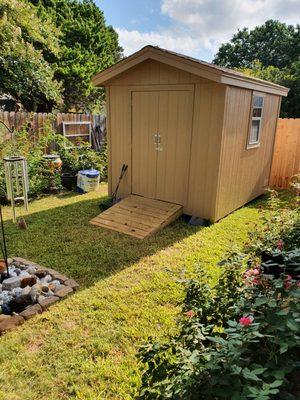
point(241, 338)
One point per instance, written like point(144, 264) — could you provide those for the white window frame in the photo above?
point(76, 123)
point(253, 145)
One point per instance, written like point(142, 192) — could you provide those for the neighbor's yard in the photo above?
point(84, 347)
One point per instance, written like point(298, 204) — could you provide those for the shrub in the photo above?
point(241, 338)
point(41, 175)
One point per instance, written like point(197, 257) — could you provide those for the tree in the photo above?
point(271, 52)
point(88, 45)
point(24, 73)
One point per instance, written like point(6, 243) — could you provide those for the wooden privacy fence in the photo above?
point(37, 122)
point(286, 157)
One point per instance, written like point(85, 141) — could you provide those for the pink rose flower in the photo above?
point(190, 314)
point(246, 321)
point(256, 281)
point(287, 282)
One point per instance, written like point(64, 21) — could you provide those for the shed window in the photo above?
point(256, 116)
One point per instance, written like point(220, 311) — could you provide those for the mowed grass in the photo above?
point(85, 346)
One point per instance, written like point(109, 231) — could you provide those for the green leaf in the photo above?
point(260, 301)
point(276, 384)
point(259, 371)
point(293, 325)
point(250, 375)
point(283, 348)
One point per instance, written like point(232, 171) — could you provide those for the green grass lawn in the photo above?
point(84, 347)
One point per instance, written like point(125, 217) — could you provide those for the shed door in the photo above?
point(144, 155)
point(161, 138)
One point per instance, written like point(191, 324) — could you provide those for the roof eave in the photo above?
point(259, 86)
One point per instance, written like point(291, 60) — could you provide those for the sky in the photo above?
point(192, 27)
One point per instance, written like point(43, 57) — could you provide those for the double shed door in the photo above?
point(161, 141)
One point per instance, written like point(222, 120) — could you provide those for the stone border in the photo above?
point(68, 286)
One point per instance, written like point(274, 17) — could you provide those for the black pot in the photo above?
point(69, 181)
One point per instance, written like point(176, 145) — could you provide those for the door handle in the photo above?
point(159, 146)
point(157, 142)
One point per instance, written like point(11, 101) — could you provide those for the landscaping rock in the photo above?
point(41, 297)
point(11, 323)
point(34, 292)
point(47, 301)
point(10, 261)
point(21, 260)
point(59, 277)
point(6, 309)
point(31, 270)
point(49, 293)
point(2, 267)
point(17, 291)
point(46, 279)
point(71, 283)
point(18, 304)
point(40, 273)
point(11, 283)
point(29, 290)
point(3, 317)
point(63, 291)
point(26, 291)
point(31, 311)
point(52, 286)
point(28, 281)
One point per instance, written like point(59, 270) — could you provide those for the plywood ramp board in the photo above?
point(138, 216)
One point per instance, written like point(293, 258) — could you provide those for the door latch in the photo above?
point(157, 142)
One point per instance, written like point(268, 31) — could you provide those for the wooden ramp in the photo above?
point(138, 216)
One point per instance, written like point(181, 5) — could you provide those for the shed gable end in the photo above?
point(151, 72)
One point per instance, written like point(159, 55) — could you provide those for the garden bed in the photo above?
point(29, 290)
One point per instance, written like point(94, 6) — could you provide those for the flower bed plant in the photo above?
point(241, 338)
point(42, 176)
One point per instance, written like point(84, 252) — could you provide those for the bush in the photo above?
point(239, 339)
point(42, 176)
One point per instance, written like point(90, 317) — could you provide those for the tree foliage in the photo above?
point(49, 51)
point(24, 73)
point(88, 45)
point(271, 52)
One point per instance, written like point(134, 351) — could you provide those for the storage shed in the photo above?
point(191, 133)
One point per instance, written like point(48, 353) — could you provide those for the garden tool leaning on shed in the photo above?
point(114, 199)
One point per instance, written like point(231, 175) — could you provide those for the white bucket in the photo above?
point(88, 180)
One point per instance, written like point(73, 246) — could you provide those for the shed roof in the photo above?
point(197, 67)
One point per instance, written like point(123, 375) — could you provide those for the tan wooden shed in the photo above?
point(191, 133)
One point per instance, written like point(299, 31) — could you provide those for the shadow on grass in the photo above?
point(62, 238)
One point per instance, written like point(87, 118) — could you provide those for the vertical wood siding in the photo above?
point(205, 149)
point(244, 174)
point(120, 137)
point(286, 158)
point(223, 174)
point(119, 130)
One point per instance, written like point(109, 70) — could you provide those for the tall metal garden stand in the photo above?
point(3, 247)
point(17, 184)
